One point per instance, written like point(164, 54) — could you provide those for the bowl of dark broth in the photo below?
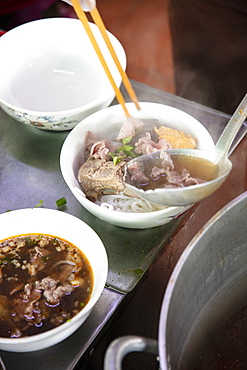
point(53, 270)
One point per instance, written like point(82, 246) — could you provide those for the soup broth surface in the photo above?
point(44, 282)
point(200, 169)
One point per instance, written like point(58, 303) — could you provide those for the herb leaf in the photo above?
point(126, 140)
point(39, 204)
point(138, 271)
point(116, 157)
point(126, 149)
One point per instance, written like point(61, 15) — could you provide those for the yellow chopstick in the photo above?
point(82, 16)
point(99, 22)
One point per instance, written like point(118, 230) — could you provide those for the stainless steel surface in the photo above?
point(206, 288)
point(29, 172)
point(122, 346)
point(180, 196)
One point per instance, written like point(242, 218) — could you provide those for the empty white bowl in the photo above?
point(106, 123)
point(51, 77)
point(75, 231)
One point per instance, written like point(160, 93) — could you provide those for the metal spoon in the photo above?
point(181, 196)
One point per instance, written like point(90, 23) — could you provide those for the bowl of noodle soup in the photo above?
point(119, 209)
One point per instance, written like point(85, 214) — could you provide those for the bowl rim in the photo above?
point(73, 111)
point(96, 292)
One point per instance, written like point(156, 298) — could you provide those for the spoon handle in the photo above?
point(228, 135)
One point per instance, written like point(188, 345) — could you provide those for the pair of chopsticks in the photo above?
point(98, 21)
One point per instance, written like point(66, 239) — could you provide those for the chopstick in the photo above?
point(99, 22)
point(96, 17)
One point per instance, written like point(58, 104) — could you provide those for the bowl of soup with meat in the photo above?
point(94, 155)
point(53, 269)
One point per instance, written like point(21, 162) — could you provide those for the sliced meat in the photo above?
point(52, 289)
point(4, 307)
point(175, 179)
point(157, 172)
point(37, 261)
point(18, 287)
point(55, 295)
point(136, 175)
point(46, 284)
point(166, 160)
point(99, 150)
point(146, 145)
point(24, 306)
point(129, 128)
point(65, 270)
point(90, 139)
point(96, 148)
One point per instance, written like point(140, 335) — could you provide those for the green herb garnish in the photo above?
point(39, 204)
point(126, 149)
point(5, 260)
point(116, 157)
point(61, 202)
point(138, 271)
point(44, 258)
point(29, 241)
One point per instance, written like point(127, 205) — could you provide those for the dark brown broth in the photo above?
point(44, 282)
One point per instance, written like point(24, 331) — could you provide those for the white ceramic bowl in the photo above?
point(51, 77)
point(72, 229)
point(106, 123)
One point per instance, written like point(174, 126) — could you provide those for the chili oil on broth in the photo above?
point(44, 282)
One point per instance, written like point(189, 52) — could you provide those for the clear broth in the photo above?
point(199, 168)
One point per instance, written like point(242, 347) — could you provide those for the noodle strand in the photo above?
point(123, 203)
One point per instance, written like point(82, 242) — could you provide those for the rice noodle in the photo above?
point(122, 203)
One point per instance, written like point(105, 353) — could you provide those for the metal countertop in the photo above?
point(30, 172)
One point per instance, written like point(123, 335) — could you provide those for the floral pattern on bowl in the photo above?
point(42, 122)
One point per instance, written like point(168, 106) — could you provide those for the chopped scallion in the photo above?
point(138, 271)
point(39, 204)
point(61, 202)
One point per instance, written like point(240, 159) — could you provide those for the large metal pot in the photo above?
point(207, 286)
